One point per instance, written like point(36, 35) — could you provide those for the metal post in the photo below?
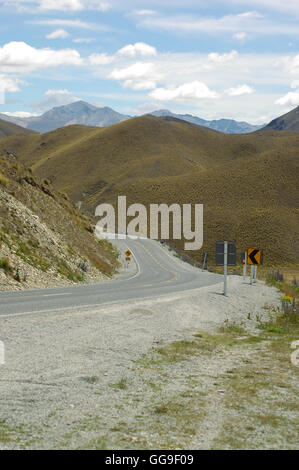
point(245, 267)
point(255, 274)
point(225, 268)
point(251, 274)
point(204, 261)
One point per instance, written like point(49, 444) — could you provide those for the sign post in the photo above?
point(244, 263)
point(128, 257)
point(225, 256)
point(251, 274)
point(255, 273)
point(254, 259)
point(204, 261)
point(225, 268)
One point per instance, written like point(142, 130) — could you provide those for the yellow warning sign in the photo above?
point(254, 256)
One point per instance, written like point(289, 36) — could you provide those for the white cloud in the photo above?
point(240, 90)
point(21, 57)
point(290, 99)
point(58, 34)
point(100, 59)
point(83, 40)
point(139, 85)
point(289, 6)
point(54, 98)
point(295, 84)
point(70, 24)
point(139, 48)
point(222, 58)
point(249, 22)
point(290, 63)
point(30, 6)
point(250, 14)
point(20, 114)
point(193, 90)
point(135, 71)
point(57, 92)
point(240, 36)
point(144, 12)
point(64, 5)
point(9, 84)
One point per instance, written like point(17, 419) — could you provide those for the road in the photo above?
point(156, 273)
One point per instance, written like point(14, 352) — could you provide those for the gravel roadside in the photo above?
point(58, 387)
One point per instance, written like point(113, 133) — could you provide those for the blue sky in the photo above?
point(233, 58)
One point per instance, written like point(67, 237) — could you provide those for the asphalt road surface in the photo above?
point(156, 272)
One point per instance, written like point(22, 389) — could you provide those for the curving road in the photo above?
point(156, 273)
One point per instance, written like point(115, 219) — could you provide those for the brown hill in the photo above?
point(8, 128)
point(246, 182)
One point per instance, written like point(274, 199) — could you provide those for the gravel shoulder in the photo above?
point(148, 374)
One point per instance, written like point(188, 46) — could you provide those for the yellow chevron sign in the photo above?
point(254, 256)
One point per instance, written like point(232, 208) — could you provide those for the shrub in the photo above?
point(3, 180)
point(6, 266)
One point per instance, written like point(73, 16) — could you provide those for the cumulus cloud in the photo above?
point(9, 84)
point(54, 98)
point(290, 63)
point(58, 34)
point(100, 59)
point(240, 90)
point(222, 58)
point(290, 99)
point(21, 57)
point(193, 90)
point(139, 85)
point(240, 36)
point(135, 71)
point(139, 48)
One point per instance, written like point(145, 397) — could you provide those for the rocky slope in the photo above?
point(287, 122)
point(44, 241)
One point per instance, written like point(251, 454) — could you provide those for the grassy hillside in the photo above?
point(44, 241)
point(8, 129)
point(247, 183)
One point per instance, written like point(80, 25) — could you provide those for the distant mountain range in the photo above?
point(86, 114)
point(75, 113)
point(287, 122)
point(228, 126)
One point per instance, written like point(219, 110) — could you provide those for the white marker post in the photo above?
point(251, 274)
point(2, 353)
point(255, 273)
point(245, 267)
point(225, 268)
